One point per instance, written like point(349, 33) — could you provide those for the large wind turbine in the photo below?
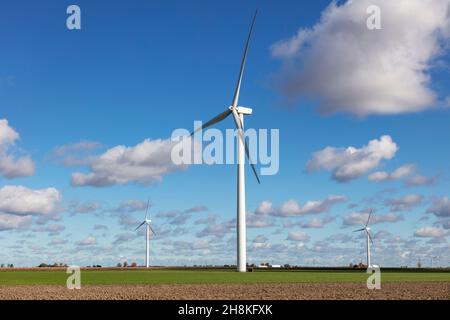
point(368, 238)
point(146, 222)
point(238, 116)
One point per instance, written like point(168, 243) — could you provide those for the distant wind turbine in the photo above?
point(368, 238)
point(433, 259)
point(146, 222)
point(238, 116)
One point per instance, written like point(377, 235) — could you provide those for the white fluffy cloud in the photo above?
point(404, 173)
point(10, 221)
point(174, 217)
point(75, 154)
point(88, 207)
point(420, 180)
point(348, 68)
point(397, 174)
point(10, 165)
point(292, 208)
point(57, 242)
point(218, 230)
point(404, 203)
point(19, 200)
point(192, 245)
point(124, 237)
point(431, 232)
point(350, 163)
point(89, 241)
point(317, 223)
point(440, 207)
point(298, 236)
point(255, 220)
point(264, 208)
point(132, 205)
point(145, 163)
point(52, 229)
point(83, 145)
point(261, 242)
point(7, 134)
point(379, 176)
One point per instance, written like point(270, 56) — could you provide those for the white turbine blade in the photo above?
point(214, 120)
point(153, 231)
point(237, 121)
point(139, 226)
point(251, 163)
point(244, 58)
point(146, 210)
point(360, 230)
point(370, 237)
point(368, 219)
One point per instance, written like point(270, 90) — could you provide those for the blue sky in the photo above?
point(138, 70)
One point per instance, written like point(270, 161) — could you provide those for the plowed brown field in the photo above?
point(298, 291)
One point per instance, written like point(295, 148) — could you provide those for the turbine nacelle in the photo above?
point(146, 221)
point(242, 110)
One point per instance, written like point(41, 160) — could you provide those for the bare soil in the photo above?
point(298, 291)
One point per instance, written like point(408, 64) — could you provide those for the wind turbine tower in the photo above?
point(238, 114)
point(148, 230)
point(369, 240)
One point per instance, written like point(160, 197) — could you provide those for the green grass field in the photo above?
point(99, 277)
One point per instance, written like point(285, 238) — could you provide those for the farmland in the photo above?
point(142, 276)
point(223, 284)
